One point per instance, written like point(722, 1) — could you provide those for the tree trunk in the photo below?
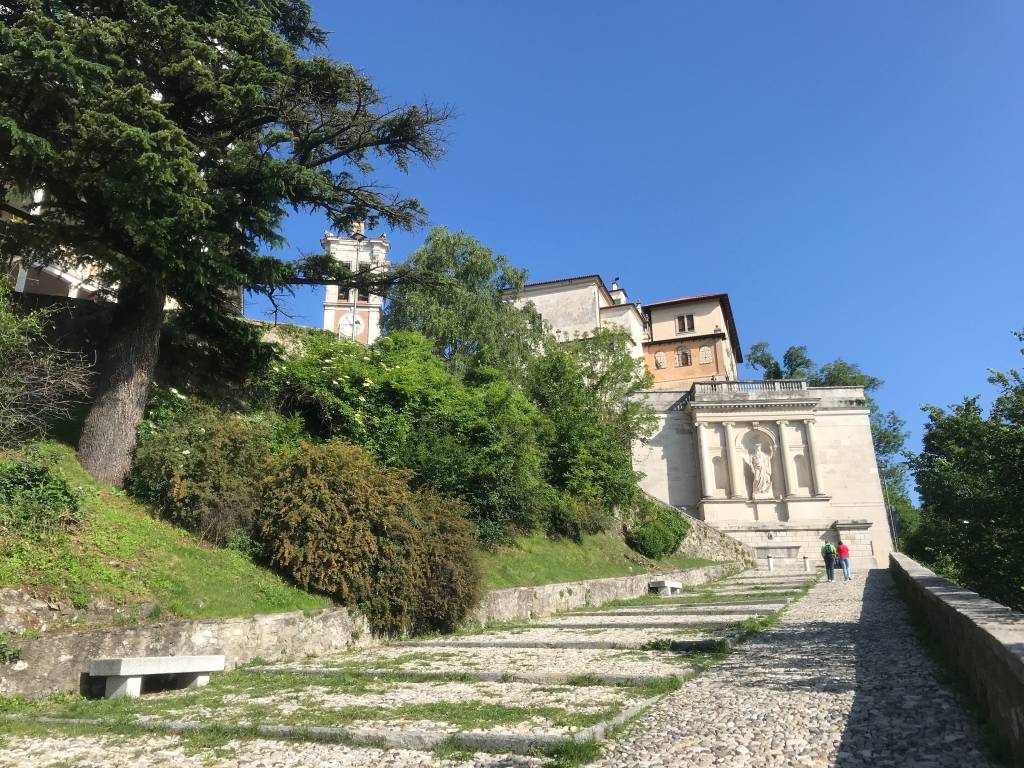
point(126, 365)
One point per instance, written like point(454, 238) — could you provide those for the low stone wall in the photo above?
point(56, 662)
point(708, 543)
point(981, 639)
point(532, 602)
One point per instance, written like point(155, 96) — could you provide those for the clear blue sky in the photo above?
point(852, 174)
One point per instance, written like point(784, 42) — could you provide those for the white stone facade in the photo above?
point(352, 314)
point(778, 465)
point(577, 306)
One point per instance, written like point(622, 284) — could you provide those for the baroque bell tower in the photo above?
point(350, 313)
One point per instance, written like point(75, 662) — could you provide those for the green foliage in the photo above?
point(40, 383)
point(476, 438)
point(656, 530)
point(574, 518)
point(339, 524)
point(584, 390)
point(121, 554)
point(170, 141)
point(205, 471)
point(9, 652)
point(464, 308)
point(35, 499)
point(970, 483)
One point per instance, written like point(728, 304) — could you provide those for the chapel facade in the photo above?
point(778, 465)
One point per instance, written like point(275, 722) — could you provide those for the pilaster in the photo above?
point(788, 467)
point(706, 475)
point(812, 459)
point(737, 488)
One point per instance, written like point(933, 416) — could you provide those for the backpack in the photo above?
point(828, 549)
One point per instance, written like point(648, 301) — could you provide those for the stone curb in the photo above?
point(515, 743)
point(539, 678)
point(704, 644)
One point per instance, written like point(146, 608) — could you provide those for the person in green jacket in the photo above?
point(828, 554)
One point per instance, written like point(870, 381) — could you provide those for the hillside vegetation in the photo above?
point(539, 559)
point(120, 554)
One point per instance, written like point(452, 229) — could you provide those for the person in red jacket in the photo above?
point(843, 552)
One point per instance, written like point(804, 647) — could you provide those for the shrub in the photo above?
point(475, 439)
point(205, 472)
point(451, 575)
point(339, 524)
point(657, 530)
point(34, 499)
point(40, 383)
point(573, 517)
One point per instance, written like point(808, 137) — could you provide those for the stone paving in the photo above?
point(838, 682)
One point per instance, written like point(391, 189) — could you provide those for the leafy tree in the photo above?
point(170, 141)
point(970, 482)
point(476, 437)
point(888, 430)
point(585, 390)
point(465, 309)
point(40, 383)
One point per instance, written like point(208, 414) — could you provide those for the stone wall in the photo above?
point(56, 662)
point(708, 543)
point(982, 640)
point(532, 602)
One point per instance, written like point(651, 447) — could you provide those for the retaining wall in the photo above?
point(982, 640)
point(548, 599)
point(56, 662)
point(709, 543)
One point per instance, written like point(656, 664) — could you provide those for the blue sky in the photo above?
point(852, 174)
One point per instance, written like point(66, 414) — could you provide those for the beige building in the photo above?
point(354, 314)
point(691, 339)
point(778, 465)
point(574, 307)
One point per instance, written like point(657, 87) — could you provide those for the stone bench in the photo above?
point(663, 587)
point(124, 675)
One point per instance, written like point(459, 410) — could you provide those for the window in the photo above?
point(706, 356)
point(682, 357)
point(659, 360)
point(684, 323)
point(363, 295)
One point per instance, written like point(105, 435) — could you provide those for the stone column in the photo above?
point(707, 482)
point(812, 459)
point(788, 469)
point(737, 487)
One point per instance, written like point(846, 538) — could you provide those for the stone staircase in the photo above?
point(527, 688)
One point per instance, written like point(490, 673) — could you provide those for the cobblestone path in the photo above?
point(840, 681)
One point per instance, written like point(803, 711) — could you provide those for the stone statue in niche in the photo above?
point(761, 469)
point(659, 360)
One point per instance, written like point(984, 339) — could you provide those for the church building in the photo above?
point(778, 465)
point(354, 314)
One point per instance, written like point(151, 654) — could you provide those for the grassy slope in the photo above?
point(122, 555)
point(538, 560)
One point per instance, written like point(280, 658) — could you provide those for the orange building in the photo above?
point(691, 339)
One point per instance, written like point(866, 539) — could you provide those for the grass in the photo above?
point(238, 698)
point(536, 559)
point(122, 555)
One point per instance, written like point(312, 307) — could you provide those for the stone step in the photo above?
point(681, 645)
point(709, 609)
point(503, 660)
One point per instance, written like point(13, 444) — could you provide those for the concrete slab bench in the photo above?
point(124, 675)
point(664, 587)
